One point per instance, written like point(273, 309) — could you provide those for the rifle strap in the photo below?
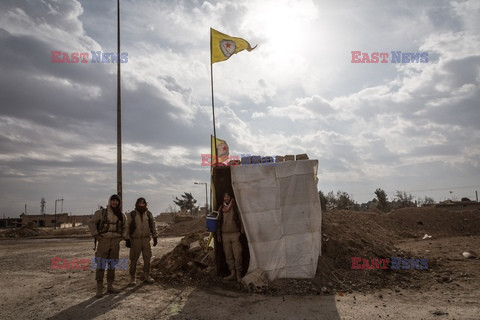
point(102, 221)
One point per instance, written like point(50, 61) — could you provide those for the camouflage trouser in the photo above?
point(233, 251)
point(107, 248)
point(140, 246)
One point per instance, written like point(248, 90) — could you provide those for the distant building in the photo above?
point(45, 220)
point(11, 223)
point(81, 220)
point(458, 205)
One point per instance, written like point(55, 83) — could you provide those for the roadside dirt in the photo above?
point(448, 289)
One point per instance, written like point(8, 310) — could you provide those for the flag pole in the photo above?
point(214, 155)
point(213, 100)
point(213, 113)
point(211, 175)
point(119, 111)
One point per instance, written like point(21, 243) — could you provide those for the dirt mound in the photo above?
point(348, 234)
point(24, 231)
point(183, 226)
point(416, 222)
point(47, 232)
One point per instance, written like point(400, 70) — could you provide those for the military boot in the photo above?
point(148, 278)
point(133, 281)
point(239, 275)
point(99, 289)
point(112, 289)
point(232, 276)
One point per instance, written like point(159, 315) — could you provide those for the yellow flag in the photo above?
point(222, 150)
point(223, 46)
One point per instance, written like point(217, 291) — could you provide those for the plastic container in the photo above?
point(212, 221)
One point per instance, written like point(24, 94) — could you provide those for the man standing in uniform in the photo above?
point(228, 232)
point(140, 227)
point(107, 227)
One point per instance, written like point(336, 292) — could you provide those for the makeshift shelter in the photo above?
point(280, 210)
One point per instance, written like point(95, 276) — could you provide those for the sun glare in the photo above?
point(284, 25)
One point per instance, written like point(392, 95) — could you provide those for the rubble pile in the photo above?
point(190, 262)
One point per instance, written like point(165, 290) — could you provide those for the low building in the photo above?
point(45, 220)
point(458, 205)
point(11, 223)
point(80, 220)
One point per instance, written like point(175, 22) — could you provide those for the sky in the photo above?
point(399, 126)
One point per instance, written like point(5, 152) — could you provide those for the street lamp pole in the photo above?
point(206, 194)
point(55, 227)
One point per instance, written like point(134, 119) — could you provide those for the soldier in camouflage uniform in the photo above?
point(228, 231)
point(140, 228)
point(107, 227)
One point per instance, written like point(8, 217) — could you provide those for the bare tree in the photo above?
point(382, 200)
point(341, 200)
point(426, 200)
point(403, 200)
point(345, 201)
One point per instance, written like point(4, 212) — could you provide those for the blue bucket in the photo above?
point(212, 222)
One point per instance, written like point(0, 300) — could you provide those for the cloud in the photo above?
point(396, 126)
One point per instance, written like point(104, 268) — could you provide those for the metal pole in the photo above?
point(214, 155)
point(55, 226)
point(213, 102)
point(119, 111)
point(206, 198)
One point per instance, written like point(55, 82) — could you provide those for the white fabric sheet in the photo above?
point(280, 209)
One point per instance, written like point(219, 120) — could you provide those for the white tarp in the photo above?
point(280, 209)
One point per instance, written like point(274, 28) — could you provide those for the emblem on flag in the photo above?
point(222, 149)
point(228, 47)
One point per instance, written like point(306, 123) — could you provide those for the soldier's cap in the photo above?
point(140, 200)
point(115, 196)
